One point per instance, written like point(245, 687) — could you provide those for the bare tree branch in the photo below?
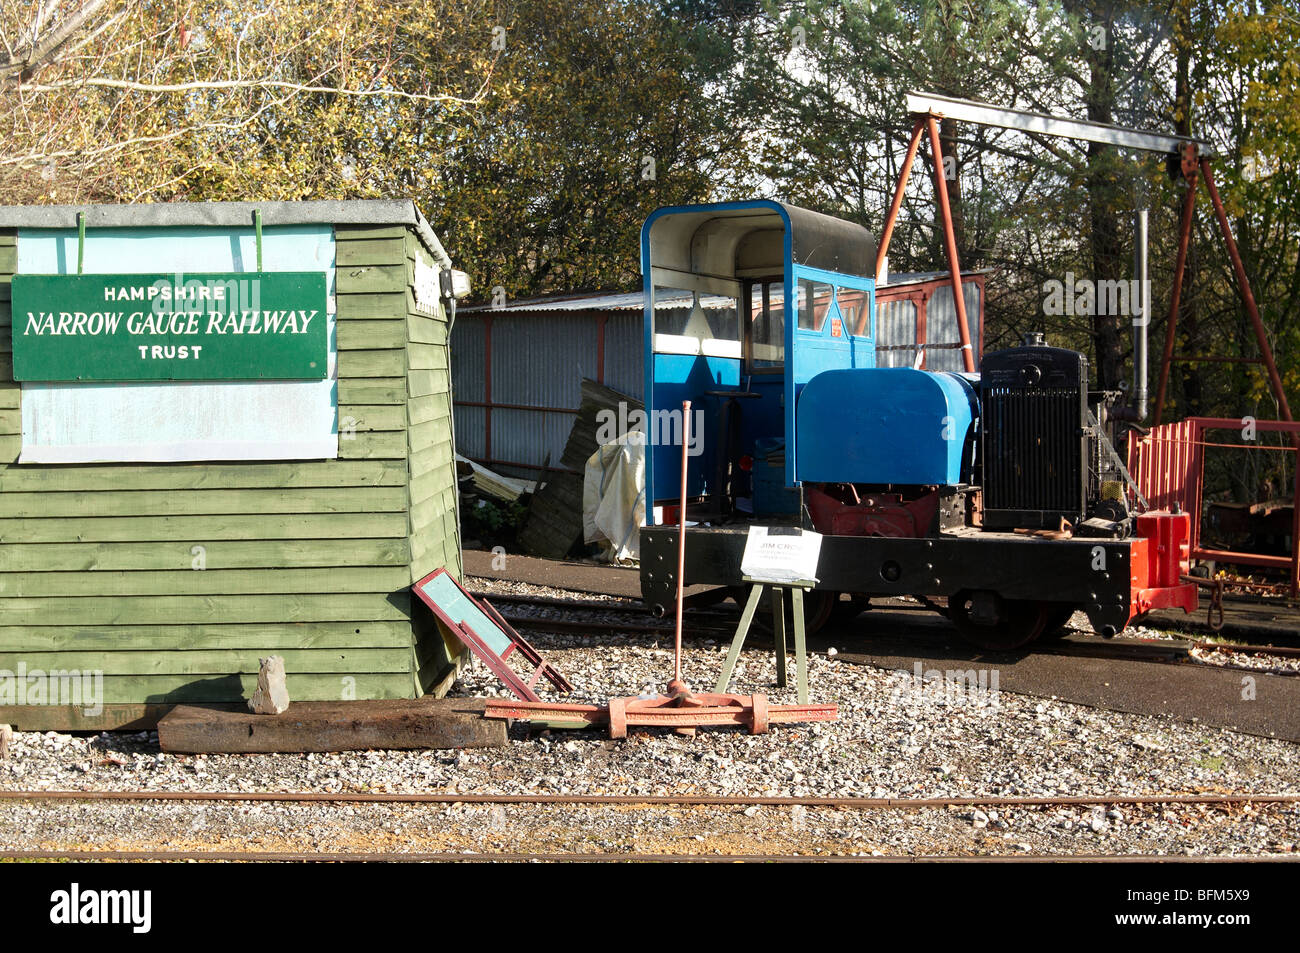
point(40, 54)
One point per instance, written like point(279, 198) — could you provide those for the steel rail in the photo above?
point(593, 605)
point(1172, 653)
point(353, 857)
point(589, 625)
point(590, 605)
point(1281, 651)
point(656, 800)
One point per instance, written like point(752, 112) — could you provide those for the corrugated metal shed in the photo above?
point(517, 373)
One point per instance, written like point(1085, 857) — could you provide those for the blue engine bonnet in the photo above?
point(884, 425)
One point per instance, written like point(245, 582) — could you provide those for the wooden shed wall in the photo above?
point(310, 559)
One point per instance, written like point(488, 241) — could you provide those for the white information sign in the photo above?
point(782, 555)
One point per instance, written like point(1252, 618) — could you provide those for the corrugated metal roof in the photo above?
point(632, 301)
point(635, 300)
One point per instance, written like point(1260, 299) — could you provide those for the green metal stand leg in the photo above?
point(800, 646)
point(738, 642)
point(778, 632)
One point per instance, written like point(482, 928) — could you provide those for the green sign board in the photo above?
point(267, 325)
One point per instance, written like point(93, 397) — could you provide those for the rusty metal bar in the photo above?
point(1175, 295)
point(1249, 559)
point(487, 385)
point(1233, 423)
point(1248, 296)
point(619, 800)
point(888, 232)
point(1295, 529)
point(530, 407)
point(950, 243)
point(1189, 359)
point(676, 683)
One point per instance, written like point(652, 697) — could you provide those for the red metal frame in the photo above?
point(1193, 164)
point(1168, 465)
point(928, 123)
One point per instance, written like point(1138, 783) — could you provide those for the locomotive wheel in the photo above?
point(987, 620)
point(1057, 618)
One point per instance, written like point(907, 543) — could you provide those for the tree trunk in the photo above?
point(1188, 318)
point(1108, 260)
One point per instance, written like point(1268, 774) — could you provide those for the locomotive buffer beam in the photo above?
point(1092, 574)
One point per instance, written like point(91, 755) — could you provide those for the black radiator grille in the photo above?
point(1032, 449)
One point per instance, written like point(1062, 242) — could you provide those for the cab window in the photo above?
point(765, 327)
point(855, 307)
point(815, 299)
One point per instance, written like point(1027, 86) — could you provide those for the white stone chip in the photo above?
point(272, 695)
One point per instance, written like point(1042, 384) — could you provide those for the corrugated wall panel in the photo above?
point(471, 431)
point(526, 436)
point(941, 326)
point(468, 358)
point(895, 327)
point(541, 361)
point(625, 353)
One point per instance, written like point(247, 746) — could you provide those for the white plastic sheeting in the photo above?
point(613, 498)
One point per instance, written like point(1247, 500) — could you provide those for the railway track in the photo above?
point(713, 623)
point(1220, 801)
point(666, 800)
point(351, 857)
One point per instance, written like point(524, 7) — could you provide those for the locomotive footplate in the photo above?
point(1106, 579)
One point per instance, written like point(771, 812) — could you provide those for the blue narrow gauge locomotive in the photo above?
point(995, 496)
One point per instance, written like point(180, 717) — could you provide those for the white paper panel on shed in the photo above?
point(191, 420)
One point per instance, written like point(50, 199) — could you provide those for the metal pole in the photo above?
point(676, 683)
point(1247, 295)
point(81, 241)
point(257, 233)
point(917, 128)
point(1144, 320)
point(1295, 527)
point(950, 242)
point(1175, 294)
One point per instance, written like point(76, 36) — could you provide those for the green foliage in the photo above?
point(595, 119)
point(492, 522)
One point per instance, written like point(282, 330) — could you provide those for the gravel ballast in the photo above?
point(897, 737)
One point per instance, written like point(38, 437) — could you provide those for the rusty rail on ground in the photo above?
point(656, 800)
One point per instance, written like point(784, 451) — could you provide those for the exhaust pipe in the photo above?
point(1143, 319)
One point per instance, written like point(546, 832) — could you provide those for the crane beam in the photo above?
point(966, 110)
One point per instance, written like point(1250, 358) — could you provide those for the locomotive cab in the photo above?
point(746, 303)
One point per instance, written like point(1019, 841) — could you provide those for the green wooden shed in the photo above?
point(225, 432)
